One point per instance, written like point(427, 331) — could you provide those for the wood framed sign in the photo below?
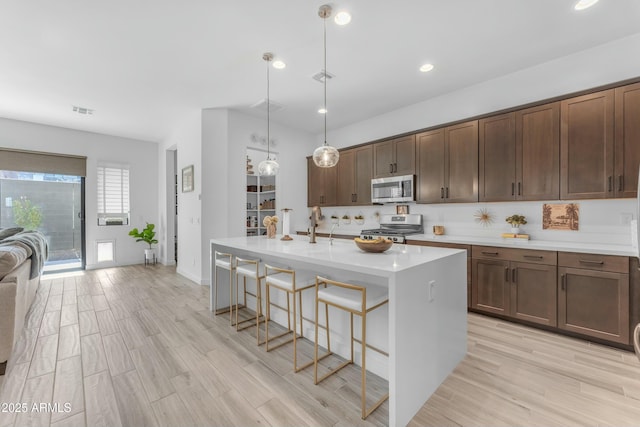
point(187, 179)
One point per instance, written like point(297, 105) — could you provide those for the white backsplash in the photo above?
point(601, 221)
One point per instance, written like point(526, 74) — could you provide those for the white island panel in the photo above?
point(426, 317)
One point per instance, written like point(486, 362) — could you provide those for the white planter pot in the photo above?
point(515, 230)
point(149, 254)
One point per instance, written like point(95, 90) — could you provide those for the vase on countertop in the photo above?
point(271, 231)
point(515, 230)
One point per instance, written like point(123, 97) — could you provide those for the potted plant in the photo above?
point(334, 219)
point(516, 221)
point(359, 219)
point(346, 219)
point(147, 235)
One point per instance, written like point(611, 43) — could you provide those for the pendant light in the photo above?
point(325, 156)
point(268, 167)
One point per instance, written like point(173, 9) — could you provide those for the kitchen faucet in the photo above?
point(316, 215)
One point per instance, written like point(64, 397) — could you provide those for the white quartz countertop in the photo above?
point(341, 254)
point(546, 245)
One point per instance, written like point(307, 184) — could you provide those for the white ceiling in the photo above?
point(140, 64)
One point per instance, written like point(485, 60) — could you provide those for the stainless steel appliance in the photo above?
point(395, 227)
point(393, 189)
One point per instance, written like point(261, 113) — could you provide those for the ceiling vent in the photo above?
point(320, 76)
point(82, 110)
point(262, 105)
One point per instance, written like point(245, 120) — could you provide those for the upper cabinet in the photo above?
point(519, 155)
point(627, 146)
point(355, 170)
point(395, 157)
point(448, 164)
point(587, 146)
point(321, 185)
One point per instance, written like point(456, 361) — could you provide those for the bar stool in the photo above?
point(354, 299)
point(224, 261)
point(249, 268)
point(291, 283)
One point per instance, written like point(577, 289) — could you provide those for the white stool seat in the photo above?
point(248, 270)
point(352, 299)
point(223, 263)
point(285, 281)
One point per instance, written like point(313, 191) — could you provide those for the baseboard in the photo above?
point(188, 275)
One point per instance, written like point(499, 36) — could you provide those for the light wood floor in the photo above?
point(137, 346)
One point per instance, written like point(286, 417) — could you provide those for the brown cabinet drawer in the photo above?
point(617, 264)
point(510, 254)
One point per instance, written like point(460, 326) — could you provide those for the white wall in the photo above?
point(141, 156)
point(600, 221)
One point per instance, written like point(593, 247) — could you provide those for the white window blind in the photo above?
point(113, 195)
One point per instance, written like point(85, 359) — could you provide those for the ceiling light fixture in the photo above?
point(278, 64)
point(342, 18)
point(584, 4)
point(325, 156)
point(268, 167)
point(425, 68)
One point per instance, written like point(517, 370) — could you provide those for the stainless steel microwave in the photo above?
point(393, 189)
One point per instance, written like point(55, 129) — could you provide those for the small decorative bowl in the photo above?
point(374, 246)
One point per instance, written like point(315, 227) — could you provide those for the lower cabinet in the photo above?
point(593, 296)
point(504, 285)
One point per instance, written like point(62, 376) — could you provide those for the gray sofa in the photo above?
point(20, 266)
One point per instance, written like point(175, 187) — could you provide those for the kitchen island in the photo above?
point(425, 326)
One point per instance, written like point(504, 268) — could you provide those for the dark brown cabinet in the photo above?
point(321, 185)
point(395, 157)
point(355, 170)
point(515, 283)
point(448, 164)
point(587, 146)
point(519, 155)
point(627, 140)
point(593, 295)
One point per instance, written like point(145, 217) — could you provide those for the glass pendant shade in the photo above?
point(268, 167)
point(326, 156)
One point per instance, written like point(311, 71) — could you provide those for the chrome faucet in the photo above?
point(333, 227)
point(316, 215)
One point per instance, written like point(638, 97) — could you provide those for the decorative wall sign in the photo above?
point(484, 217)
point(402, 209)
point(187, 179)
point(561, 216)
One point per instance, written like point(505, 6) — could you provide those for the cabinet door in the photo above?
point(321, 185)
point(461, 162)
point(330, 192)
point(627, 140)
point(538, 153)
point(594, 303)
point(497, 158)
point(534, 292)
point(586, 141)
point(346, 175)
point(405, 156)
point(363, 175)
point(490, 286)
point(430, 179)
point(383, 159)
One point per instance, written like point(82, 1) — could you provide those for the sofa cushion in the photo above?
point(6, 232)
point(11, 257)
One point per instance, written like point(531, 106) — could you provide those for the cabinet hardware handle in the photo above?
point(513, 188)
point(506, 274)
point(519, 189)
point(620, 181)
point(355, 197)
point(446, 192)
point(395, 167)
point(533, 256)
point(488, 253)
point(563, 282)
point(610, 183)
point(390, 167)
point(514, 276)
point(442, 192)
point(588, 261)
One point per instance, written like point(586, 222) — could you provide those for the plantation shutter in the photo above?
point(113, 195)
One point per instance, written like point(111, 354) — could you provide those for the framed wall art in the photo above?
point(187, 179)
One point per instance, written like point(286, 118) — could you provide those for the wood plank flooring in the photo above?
point(137, 346)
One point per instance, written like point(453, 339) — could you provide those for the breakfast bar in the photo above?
point(425, 327)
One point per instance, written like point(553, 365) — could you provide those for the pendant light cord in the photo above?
point(326, 76)
point(268, 117)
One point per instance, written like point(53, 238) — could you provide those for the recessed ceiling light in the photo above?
point(342, 18)
point(279, 64)
point(322, 111)
point(426, 68)
point(584, 4)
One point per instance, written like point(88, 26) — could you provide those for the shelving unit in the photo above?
point(261, 202)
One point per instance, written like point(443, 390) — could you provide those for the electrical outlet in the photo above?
point(625, 218)
point(432, 290)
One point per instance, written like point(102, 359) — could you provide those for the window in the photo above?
point(113, 195)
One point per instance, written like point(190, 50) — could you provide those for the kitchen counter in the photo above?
point(546, 245)
point(423, 328)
